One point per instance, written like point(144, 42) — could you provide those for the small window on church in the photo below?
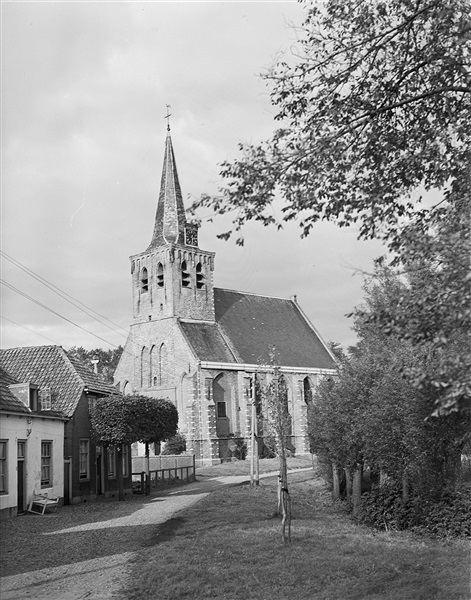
point(221, 410)
point(160, 275)
point(199, 277)
point(144, 280)
point(185, 275)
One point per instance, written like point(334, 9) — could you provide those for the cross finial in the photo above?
point(167, 116)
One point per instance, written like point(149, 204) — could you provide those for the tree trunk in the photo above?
point(356, 492)
point(335, 483)
point(284, 498)
point(119, 471)
point(147, 467)
point(405, 488)
point(348, 485)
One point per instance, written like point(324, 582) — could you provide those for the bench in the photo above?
point(40, 502)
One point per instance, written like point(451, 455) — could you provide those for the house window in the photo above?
point(111, 461)
point(199, 277)
point(222, 410)
point(125, 459)
point(84, 459)
point(21, 450)
point(46, 464)
point(3, 467)
point(33, 399)
point(160, 275)
point(185, 275)
point(144, 280)
point(45, 398)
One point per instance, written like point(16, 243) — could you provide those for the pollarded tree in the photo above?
point(374, 110)
point(118, 420)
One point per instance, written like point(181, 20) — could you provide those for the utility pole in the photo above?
point(254, 466)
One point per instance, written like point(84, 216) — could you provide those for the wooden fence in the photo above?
point(164, 471)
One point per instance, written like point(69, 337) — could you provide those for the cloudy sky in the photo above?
point(85, 88)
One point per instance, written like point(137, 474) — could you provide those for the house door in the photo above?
point(21, 473)
point(67, 477)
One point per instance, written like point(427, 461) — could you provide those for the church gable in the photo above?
point(255, 324)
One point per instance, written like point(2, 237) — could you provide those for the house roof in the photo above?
point(51, 366)
point(8, 401)
point(255, 324)
point(207, 341)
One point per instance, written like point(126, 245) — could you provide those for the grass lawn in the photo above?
point(242, 467)
point(228, 546)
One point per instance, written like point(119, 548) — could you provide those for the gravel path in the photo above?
point(83, 551)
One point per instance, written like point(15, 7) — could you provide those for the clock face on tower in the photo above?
point(191, 236)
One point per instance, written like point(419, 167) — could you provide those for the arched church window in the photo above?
point(160, 275)
point(153, 365)
point(163, 365)
point(144, 367)
point(199, 277)
point(307, 390)
point(185, 275)
point(144, 280)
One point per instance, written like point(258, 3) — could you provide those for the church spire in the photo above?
point(170, 218)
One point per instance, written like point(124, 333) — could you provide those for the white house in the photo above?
point(31, 446)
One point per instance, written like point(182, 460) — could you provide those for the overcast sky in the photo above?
point(85, 88)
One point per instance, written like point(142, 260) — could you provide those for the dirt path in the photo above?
point(84, 551)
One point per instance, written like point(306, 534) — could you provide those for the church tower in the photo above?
point(173, 278)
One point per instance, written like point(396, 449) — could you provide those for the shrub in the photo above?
point(175, 445)
point(240, 451)
point(450, 515)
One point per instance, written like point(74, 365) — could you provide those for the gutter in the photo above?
point(252, 368)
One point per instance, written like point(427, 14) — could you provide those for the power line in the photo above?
point(3, 282)
point(74, 301)
point(28, 329)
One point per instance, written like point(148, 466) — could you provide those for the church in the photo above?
point(201, 346)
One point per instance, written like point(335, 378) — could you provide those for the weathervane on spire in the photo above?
point(167, 116)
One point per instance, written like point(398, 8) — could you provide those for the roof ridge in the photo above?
point(30, 347)
point(254, 294)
